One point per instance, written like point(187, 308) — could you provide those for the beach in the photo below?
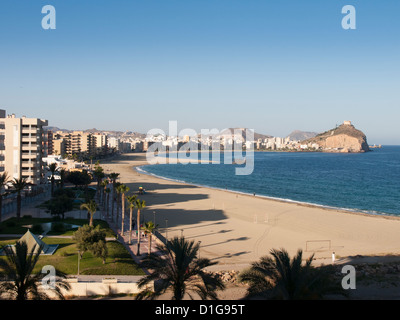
point(236, 229)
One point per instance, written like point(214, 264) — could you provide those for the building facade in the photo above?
point(23, 147)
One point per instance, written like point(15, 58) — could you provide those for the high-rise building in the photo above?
point(100, 141)
point(76, 142)
point(23, 149)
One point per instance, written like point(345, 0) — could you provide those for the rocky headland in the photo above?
point(344, 138)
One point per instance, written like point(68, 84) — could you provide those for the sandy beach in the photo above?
point(236, 229)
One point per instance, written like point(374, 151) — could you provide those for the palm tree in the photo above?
point(63, 176)
point(180, 270)
point(91, 208)
point(99, 175)
point(131, 201)
point(53, 169)
point(122, 190)
point(103, 186)
point(23, 285)
point(117, 198)
point(113, 177)
point(139, 205)
point(279, 277)
point(107, 191)
point(19, 185)
point(148, 228)
point(3, 182)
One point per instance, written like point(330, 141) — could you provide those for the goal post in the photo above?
point(318, 245)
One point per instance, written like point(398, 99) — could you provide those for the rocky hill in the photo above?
point(344, 138)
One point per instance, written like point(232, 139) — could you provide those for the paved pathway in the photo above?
point(30, 209)
point(132, 248)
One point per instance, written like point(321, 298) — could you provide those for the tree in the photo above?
point(139, 206)
point(24, 285)
point(3, 182)
point(103, 186)
point(92, 239)
point(60, 204)
point(53, 169)
point(117, 198)
point(113, 177)
point(98, 175)
point(91, 208)
point(19, 185)
point(178, 268)
point(107, 191)
point(279, 277)
point(122, 189)
point(63, 177)
point(131, 201)
point(99, 250)
point(79, 178)
point(148, 228)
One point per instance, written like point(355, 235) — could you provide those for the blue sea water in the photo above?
point(367, 182)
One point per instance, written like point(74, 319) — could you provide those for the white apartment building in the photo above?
point(21, 147)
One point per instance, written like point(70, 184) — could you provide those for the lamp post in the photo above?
point(181, 233)
point(79, 259)
point(154, 217)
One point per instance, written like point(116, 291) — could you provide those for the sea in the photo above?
point(361, 182)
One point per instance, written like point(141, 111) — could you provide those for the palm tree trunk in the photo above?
point(138, 232)
point(123, 214)
point(149, 243)
point(112, 205)
point(52, 184)
point(108, 204)
point(130, 226)
point(118, 201)
point(91, 219)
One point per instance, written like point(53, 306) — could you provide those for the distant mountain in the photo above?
point(344, 138)
point(301, 135)
point(241, 132)
point(54, 129)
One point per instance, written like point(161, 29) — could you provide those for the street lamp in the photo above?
point(181, 233)
point(166, 229)
point(79, 259)
point(154, 215)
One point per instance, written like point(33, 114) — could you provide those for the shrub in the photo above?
point(64, 191)
point(10, 224)
point(37, 228)
point(92, 239)
point(58, 227)
point(27, 216)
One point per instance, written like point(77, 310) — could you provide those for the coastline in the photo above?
point(237, 228)
point(289, 201)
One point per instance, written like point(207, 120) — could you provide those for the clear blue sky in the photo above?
point(274, 66)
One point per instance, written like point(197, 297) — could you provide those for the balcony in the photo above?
point(32, 139)
point(27, 147)
point(29, 156)
point(32, 131)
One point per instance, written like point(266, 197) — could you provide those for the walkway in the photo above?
point(132, 248)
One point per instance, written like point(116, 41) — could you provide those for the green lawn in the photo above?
point(15, 226)
point(65, 259)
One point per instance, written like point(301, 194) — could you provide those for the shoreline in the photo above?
point(288, 201)
point(237, 228)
